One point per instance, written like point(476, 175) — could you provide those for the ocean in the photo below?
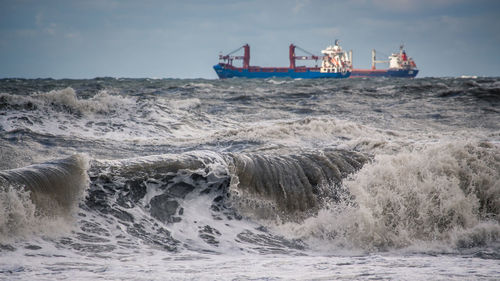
point(197, 179)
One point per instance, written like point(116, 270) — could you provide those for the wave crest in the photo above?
point(66, 100)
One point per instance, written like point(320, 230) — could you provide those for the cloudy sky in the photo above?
point(182, 39)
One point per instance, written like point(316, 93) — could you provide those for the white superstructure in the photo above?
point(401, 60)
point(335, 59)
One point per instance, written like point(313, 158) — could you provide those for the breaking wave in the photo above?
point(66, 100)
point(289, 187)
point(445, 195)
point(41, 193)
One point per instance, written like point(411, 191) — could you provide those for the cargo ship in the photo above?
point(335, 63)
point(400, 65)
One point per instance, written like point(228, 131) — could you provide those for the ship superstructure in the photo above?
point(335, 59)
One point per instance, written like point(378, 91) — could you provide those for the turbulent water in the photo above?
point(162, 179)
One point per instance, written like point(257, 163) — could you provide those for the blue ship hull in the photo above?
point(224, 72)
point(402, 73)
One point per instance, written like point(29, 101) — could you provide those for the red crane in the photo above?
point(246, 56)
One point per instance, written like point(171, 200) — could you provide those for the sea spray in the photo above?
point(442, 193)
point(17, 211)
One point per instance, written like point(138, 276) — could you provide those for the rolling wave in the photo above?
point(446, 193)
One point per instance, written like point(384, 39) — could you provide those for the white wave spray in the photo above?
point(445, 194)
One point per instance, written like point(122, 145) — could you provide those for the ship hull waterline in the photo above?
point(306, 73)
point(401, 73)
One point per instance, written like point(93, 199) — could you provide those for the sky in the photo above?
point(182, 39)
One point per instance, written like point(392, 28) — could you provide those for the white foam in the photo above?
point(443, 193)
point(278, 82)
point(185, 104)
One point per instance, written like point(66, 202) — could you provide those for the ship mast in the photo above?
point(293, 57)
point(375, 61)
point(229, 57)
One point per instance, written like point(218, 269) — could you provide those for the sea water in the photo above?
point(171, 179)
